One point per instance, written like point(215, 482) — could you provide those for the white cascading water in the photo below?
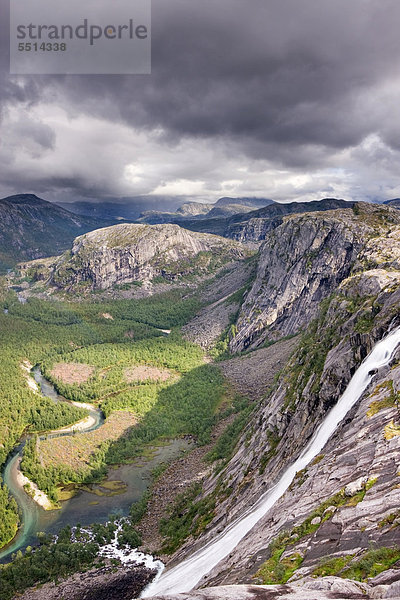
point(188, 573)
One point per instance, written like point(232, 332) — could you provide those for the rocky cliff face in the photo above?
point(302, 262)
point(335, 276)
point(128, 253)
point(340, 516)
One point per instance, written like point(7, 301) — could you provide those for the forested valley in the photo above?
point(48, 333)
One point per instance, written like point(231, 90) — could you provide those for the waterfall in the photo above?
point(189, 572)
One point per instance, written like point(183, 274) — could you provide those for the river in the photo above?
point(187, 574)
point(94, 504)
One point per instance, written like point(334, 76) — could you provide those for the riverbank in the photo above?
point(32, 489)
point(27, 367)
point(21, 487)
point(86, 423)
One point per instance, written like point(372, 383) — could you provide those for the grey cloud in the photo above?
point(286, 71)
point(292, 82)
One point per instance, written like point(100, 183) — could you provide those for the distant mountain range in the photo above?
point(128, 209)
point(253, 226)
point(394, 203)
point(154, 210)
point(33, 228)
point(224, 207)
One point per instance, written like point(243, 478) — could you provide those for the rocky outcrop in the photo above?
point(304, 260)
point(329, 588)
point(139, 253)
point(193, 209)
point(222, 301)
point(360, 462)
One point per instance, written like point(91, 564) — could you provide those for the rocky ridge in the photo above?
point(345, 279)
point(253, 227)
point(123, 582)
point(304, 260)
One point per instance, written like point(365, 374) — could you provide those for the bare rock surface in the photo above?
point(252, 374)
point(211, 322)
point(328, 588)
point(304, 260)
point(208, 326)
point(134, 252)
point(357, 453)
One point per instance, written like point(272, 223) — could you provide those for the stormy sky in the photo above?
point(284, 99)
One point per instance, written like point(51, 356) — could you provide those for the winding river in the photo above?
point(89, 505)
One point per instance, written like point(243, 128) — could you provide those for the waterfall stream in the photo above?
point(186, 575)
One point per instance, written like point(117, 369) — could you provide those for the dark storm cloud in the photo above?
point(287, 71)
point(293, 82)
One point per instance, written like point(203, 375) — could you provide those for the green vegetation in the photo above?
point(220, 350)
point(314, 346)
point(108, 385)
point(390, 399)
point(9, 516)
point(187, 516)
point(54, 560)
point(49, 562)
point(166, 310)
point(45, 331)
point(391, 520)
point(318, 459)
point(320, 337)
point(370, 564)
point(168, 409)
point(275, 570)
point(332, 566)
point(190, 267)
point(391, 430)
point(366, 319)
point(138, 509)
point(184, 404)
point(227, 442)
